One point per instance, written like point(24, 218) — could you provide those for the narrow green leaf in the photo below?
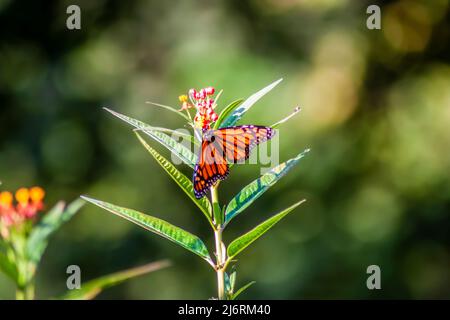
point(246, 105)
point(172, 145)
point(248, 285)
point(91, 289)
point(158, 226)
point(183, 182)
point(172, 109)
point(293, 113)
point(39, 237)
point(173, 132)
point(232, 280)
point(8, 268)
point(239, 244)
point(256, 188)
point(226, 111)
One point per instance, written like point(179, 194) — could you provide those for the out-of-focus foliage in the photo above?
point(376, 114)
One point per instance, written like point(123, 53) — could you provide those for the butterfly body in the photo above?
point(221, 147)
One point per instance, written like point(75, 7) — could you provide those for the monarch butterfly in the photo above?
point(223, 146)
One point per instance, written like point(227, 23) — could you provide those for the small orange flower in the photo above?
point(184, 102)
point(37, 194)
point(183, 98)
point(28, 203)
point(22, 196)
point(6, 199)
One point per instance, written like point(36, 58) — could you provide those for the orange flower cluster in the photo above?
point(28, 203)
point(204, 103)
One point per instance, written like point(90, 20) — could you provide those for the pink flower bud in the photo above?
point(192, 92)
point(202, 94)
point(210, 91)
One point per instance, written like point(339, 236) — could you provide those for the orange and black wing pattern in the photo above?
point(223, 146)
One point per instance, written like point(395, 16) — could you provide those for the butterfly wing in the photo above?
point(237, 142)
point(211, 167)
point(223, 146)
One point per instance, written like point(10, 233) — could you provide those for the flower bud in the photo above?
point(210, 91)
point(192, 92)
point(202, 94)
point(183, 98)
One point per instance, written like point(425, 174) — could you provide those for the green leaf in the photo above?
point(183, 182)
point(293, 113)
point(172, 145)
point(239, 244)
point(230, 281)
point(246, 105)
point(256, 188)
point(8, 267)
point(227, 282)
point(226, 111)
point(158, 226)
point(172, 109)
point(40, 234)
point(248, 285)
point(173, 132)
point(91, 289)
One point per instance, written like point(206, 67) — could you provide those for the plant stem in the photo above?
point(217, 213)
point(20, 294)
point(29, 291)
point(218, 219)
point(219, 268)
point(25, 292)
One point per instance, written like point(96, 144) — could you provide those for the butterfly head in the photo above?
point(208, 135)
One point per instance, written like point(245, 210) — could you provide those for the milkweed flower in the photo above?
point(184, 102)
point(27, 204)
point(204, 103)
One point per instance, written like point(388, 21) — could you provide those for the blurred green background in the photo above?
point(376, 114)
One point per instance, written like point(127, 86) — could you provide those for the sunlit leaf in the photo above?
point(239, 244)
point(226, 111)
point(183, 182)
point(91, 289)
point(242, 289)
point(158, 226)
point(256, 188)
point(172, 145)
point(50, 222)
point(237, 114)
